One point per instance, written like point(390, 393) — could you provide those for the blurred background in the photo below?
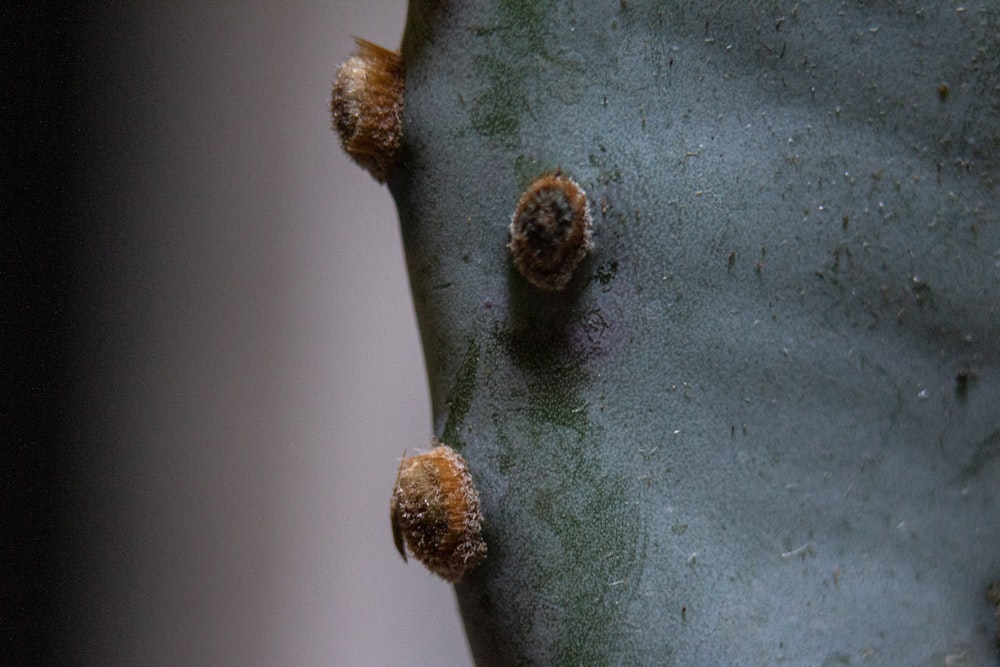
point(211, 358)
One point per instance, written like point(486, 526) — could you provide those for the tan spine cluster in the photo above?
point(367, 107)
point(550, 232)
point(435, 513)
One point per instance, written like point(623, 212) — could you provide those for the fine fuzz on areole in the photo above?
point(435, 513)
point(367, 107)
point(550, 232)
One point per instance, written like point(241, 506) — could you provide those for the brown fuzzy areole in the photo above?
point(550, 232)
point(367, 107)
point(435, 513)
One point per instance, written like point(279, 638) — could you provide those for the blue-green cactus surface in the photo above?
point(762, 425)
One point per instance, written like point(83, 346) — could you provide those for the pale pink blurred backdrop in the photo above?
point(256, 370)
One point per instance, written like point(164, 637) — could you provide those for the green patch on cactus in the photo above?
point(496, 113)
point(460, 399)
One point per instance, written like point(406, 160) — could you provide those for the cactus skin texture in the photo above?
point(762, 424)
